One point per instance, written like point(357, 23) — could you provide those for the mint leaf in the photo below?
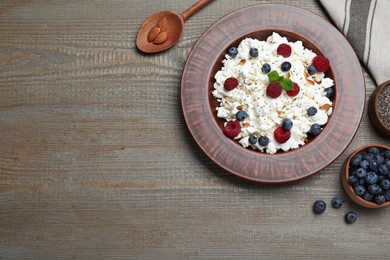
point(286, 84)
point(273, 76)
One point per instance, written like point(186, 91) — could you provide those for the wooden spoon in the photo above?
point(166, 27)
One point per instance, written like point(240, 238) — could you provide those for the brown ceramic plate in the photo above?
point(259, 21)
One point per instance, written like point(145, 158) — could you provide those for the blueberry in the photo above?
point(385, 184)
point(368, 196)
point(329, 92)
point(387, 162)
point(319, 206)
point(360, 190)
point(380, 178)
point(350, 217)
point(287, 124)
point(266, 68)
point(364, 164)
point(387, 194)
point(286, 66)
point(361, 182)
point(360, 173)
point(374, 189)
point(311, 111)
point(254, 52)
point(263, 141)
point(371, 178)
point(353, 180)
point(232, 52)
point(379, 159)
point(383, 170)
point(241, 115)
point(374, 165)
point(315, 129)
point(379, 199)
point(386, 154)
point(311, 70)
point(252, 139)
point(356, 159)
point(373, 150)
point(337, 202)
point(368, 156)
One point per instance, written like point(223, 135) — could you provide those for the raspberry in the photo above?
point(274, 90)
point(232, 128)
point(284, 50)
point(230, 83)
point(294, 92)
point(281, 135)
point(321, 63)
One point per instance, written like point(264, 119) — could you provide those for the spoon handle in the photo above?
point(194, 8)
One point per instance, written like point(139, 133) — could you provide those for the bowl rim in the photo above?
point(348, 188)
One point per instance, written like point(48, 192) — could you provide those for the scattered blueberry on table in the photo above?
point(337, 202)
point(350, 217)
point(319, 206)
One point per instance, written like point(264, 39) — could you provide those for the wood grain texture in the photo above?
point(96, 161)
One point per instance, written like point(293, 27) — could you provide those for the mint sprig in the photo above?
point(284, 82)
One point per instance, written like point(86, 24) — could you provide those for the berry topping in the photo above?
point(282, 135)
point(286, 66)
point(350, 217)
point(295, 91)
point(232, 52)
point(321, 63)
point(319, 206)
point(254, 52)
point(287, 124)
point(284, 50)
point(311, 70)
point(232, 128)
point(311, 111)
point(241, 115)
point(315, 129)
point(266, 68)
point(329, 92)
point(252, 139)
point(274, 90)
point(337, 202)
point(230, 83)
point(263, 141)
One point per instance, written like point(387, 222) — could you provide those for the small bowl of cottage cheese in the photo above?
point(274, 95)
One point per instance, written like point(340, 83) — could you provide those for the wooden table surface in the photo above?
point(96, 161)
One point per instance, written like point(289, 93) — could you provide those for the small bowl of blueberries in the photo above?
point(366, 176)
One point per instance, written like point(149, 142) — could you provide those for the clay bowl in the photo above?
point(373, 109)
point(348, 188)
point(259, 21)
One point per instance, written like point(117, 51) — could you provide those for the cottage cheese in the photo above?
point(265, 114)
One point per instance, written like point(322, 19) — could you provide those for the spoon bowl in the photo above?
point(173, 28)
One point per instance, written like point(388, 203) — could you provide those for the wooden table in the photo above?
point(96, 161)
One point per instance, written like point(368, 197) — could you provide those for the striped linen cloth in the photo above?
point(366, 25)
